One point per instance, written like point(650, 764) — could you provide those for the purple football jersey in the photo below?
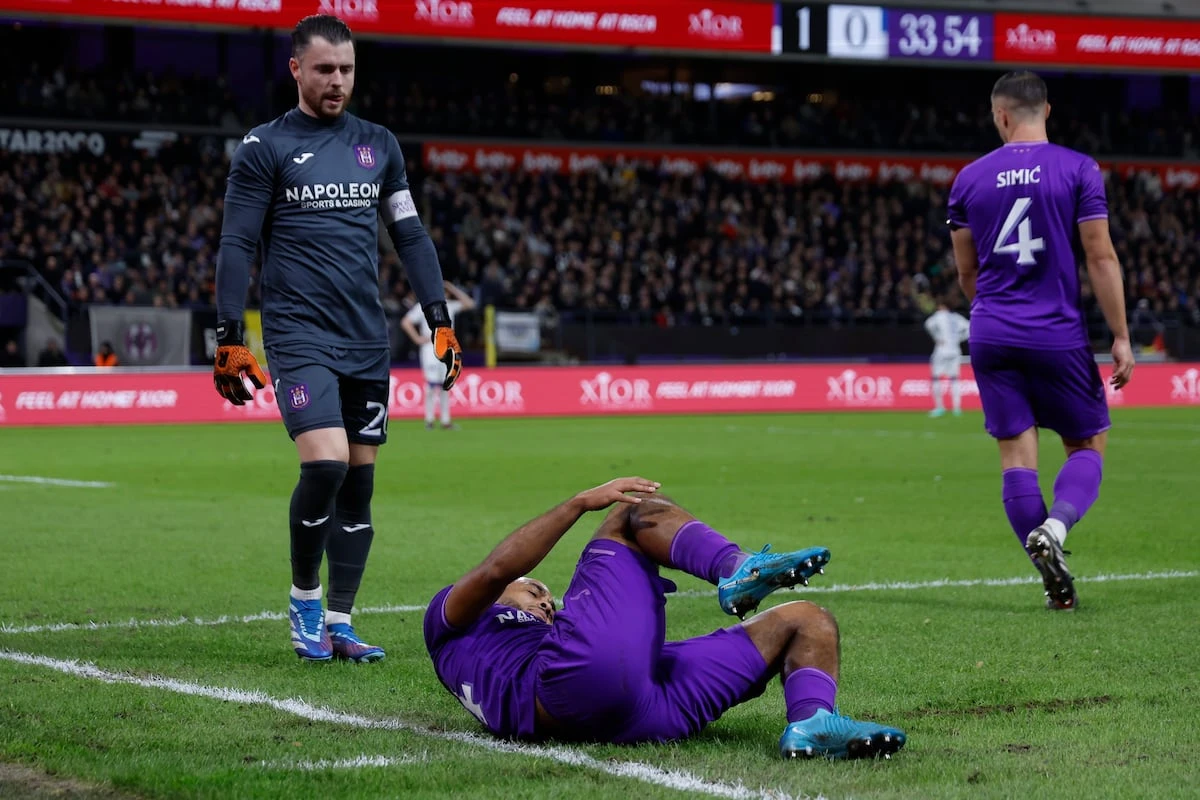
point(489, 665)
point(1023, 203)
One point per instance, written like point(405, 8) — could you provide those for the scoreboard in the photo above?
point(884, 33)
point(831, 31)
point(821, 31)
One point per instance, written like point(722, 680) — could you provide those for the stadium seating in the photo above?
point(854, 108)
point(134, 228)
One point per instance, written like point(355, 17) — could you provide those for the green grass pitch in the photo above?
point(1000, 698)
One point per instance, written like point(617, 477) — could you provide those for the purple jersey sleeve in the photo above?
point(1093, 200)
point(437, 630)
point(956, 205)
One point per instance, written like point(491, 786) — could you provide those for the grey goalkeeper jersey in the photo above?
point(310, 192)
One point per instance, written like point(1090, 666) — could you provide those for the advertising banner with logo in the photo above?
point(29, 397)
point(49, 141)
point(143, 336)
point(750, 165)
point(765, 165)
point(1097, 41)
point(659, 24)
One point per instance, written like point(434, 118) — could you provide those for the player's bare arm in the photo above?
point(1104, 269)
point(468, 302)
point(967, 260)
point(248, 197)
point(526, 547)
point(410, 330)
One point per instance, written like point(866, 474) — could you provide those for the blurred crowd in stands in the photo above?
point(142, 228)
point(132, 228)
point(532, 98)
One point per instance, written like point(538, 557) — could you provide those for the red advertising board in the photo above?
point(1097, 41)
point(664, 24)
point(751, 165)
point(89, 397)
point(764, 165)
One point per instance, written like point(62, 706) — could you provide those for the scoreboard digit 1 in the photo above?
point(803, 28)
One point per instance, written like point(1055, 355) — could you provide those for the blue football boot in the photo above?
point(347, 645)
point(825, 735)
point(763, 573)
point(309, 637)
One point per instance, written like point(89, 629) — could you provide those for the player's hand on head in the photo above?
point(616, 491)
point(1122, 353)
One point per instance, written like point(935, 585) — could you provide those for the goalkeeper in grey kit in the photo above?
point(308, 188)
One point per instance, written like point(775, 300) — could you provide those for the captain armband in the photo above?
point(399, 206)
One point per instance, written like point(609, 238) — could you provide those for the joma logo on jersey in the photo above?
point(1018, 177)
point(334, 195)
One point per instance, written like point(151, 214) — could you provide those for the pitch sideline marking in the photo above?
point(41, 480)
point(225, 619)
point(358, 762)
point(646, 773)
point(837, 588)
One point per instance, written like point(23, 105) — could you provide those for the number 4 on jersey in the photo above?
point(1025, 245)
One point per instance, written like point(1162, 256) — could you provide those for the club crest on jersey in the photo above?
point(365, 155)
point(298, 396)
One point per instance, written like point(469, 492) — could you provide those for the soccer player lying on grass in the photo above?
point(601, 670)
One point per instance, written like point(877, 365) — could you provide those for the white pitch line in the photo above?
point(837, 588)
point(645, 773)
point(346, 763)
point(946, 583)
point(43, 481)
point(55, 627)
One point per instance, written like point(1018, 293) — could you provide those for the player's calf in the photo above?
point(801, 639)
point(673, 537)
point(649, 527)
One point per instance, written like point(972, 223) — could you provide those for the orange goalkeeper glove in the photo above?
point(446, 348)
point(234, 358)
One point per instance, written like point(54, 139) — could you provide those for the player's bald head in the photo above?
point(1021, 92)
point(324, 26)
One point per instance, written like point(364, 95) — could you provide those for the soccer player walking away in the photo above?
point(948, 331)
point(1020, 217)
point(416, 327)
point(601, 670)
point(307, 189)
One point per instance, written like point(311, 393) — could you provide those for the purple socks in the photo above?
point(807, 690)
point(1075, 490)
point(1023, 501)
point(699, 550)
point(1077, 486)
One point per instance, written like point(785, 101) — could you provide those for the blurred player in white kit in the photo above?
point(417, 329)
point(948, 330)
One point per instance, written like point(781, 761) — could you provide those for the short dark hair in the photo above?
point(1024, 90)
point(327, 26)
